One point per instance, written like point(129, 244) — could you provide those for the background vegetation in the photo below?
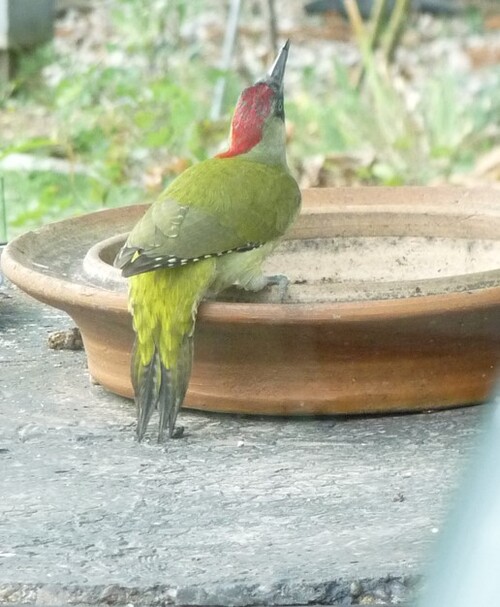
point(80, 132)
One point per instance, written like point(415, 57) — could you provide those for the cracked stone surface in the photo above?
point(242, 511)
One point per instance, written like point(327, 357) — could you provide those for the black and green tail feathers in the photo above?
point(164, 303)
point(157, 387)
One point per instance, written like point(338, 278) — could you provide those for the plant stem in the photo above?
point(359, 31)
point(377, 20)
point(356, 21)
point(395, 28)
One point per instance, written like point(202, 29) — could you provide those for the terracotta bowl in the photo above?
point(393, 305)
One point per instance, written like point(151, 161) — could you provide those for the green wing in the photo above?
point(215, 207)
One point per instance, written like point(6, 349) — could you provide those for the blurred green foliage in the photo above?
point(443, 134)
point(117, 124)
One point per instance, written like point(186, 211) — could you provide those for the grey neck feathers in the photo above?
point(271, 148)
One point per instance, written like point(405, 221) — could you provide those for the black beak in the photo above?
point(276, 72)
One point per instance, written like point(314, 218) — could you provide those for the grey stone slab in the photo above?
point(242, 511)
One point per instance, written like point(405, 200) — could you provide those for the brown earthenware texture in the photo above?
point(437, 348)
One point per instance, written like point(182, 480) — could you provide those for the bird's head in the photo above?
point(258, 124)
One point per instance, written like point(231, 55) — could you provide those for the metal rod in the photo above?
point(227, 55)
point(273, 26)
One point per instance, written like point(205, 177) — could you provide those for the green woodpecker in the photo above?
point(211, 228)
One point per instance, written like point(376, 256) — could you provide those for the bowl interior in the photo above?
point(352, 248)
point(348, 268)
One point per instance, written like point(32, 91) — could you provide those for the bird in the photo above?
point(434, 7)
point(210, 229)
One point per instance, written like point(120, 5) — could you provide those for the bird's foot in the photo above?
point(281, 281)
point(257, 283)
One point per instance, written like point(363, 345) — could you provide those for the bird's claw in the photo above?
point(281, 281)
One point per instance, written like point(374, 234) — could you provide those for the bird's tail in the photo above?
point(164, 304)
point(162, 388)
